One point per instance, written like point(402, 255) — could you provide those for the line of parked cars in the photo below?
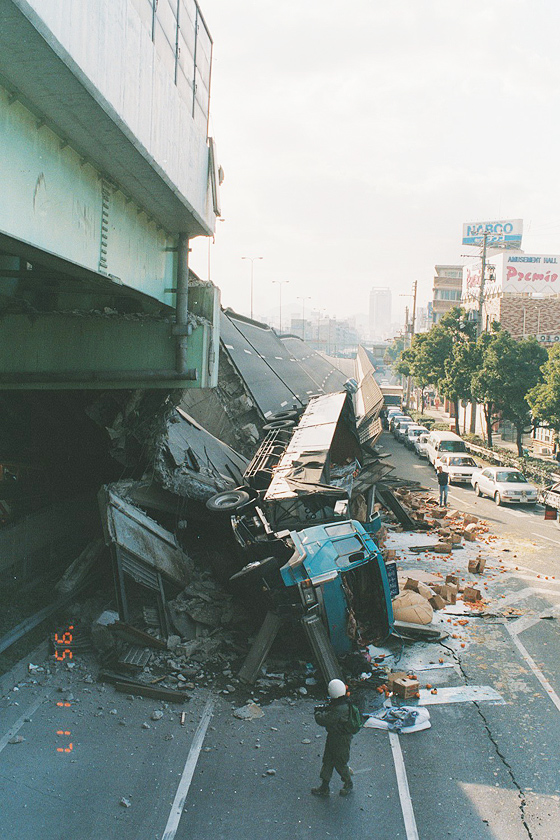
point(448, 450)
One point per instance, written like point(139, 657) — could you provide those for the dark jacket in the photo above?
point(442, 478)
point(334, 716)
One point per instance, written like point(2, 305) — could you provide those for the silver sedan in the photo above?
point(504, 484)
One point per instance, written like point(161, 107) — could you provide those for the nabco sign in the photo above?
point(501, 234)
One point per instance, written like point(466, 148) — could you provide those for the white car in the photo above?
point(460, 467)
point(504, 484)
point(412, 433)
point(421, 445)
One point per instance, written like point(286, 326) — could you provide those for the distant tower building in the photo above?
point(379, 313)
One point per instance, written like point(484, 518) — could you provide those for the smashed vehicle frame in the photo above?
point(291, 521)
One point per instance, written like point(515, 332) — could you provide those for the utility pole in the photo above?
point(414, 289)
point(280, 282)
point(303, 299)
point(252, 259)
point(479, 330)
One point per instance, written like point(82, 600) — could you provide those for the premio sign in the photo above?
point(501, 234)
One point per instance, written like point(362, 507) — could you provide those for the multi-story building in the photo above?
point(448, 282)
point(379, 313)
point(521, 292)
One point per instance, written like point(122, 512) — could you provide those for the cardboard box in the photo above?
point(412, 584)
point(405, 687)
point(394, 675)
point(453, 579)
point(469, 536)
point(437, 602)
point(477, 566)
point(425, 591)
point(471, 594)
point(442, 548)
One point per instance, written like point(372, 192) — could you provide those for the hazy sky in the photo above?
point(357, 138)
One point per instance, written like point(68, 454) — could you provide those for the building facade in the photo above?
point(447, 290)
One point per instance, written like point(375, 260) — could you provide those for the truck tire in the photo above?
point(257, 567)
point(278, 424)
point(228, 500)
point(289, 414)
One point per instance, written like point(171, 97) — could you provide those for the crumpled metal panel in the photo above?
point(127, 527)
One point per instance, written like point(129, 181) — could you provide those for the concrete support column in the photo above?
point(182, 304)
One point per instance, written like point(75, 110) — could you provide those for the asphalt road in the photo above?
point(486, 770)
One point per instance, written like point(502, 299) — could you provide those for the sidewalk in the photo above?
point(442, 416)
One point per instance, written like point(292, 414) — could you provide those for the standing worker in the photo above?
point(336, 718)
point(443, 481)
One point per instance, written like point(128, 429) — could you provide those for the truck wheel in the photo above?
point(278, 424)
point(498, 499)
point(477, 490)
point(259, 566)
point(228, 500)
point(289, 414)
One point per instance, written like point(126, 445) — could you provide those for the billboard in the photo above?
point(500, 234)
point(528, 274)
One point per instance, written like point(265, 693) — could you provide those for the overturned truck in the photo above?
point(304, 522)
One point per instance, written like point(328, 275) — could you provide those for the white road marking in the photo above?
point(460, 694)
point(557, 542)
point(527, 621)
point(230, 346)
point(404, 792)
point(534, 668)
point(14, 729)
point(247, 351)
point(282, 404)
point(188, 772)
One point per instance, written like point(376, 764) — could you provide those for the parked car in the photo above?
point(439, 442)
point(400, 425)
point(395, 418)
point(401, 428)
point(412, 433)
point(459, 467)
point(504, 484)
point(421, 445)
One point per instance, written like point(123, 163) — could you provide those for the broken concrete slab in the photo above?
point(248, 712)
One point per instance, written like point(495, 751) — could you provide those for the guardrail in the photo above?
point(509, 459)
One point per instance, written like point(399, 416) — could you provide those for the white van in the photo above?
point(443, 442)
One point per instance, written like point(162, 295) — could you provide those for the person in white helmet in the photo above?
point(335, 718)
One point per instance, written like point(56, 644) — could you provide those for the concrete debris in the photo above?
point(249, 712)
point(17, 739)
point(126, 803)
point(157, 714)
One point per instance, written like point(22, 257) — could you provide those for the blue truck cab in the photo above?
point(340, 573)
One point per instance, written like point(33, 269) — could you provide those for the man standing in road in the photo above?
point(335, 717)
point(443, 481)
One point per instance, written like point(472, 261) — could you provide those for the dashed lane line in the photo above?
point(188, 773)
point(542, 536)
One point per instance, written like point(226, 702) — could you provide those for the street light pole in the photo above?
point(303, 299)
point(252, 259)
point(280, 282)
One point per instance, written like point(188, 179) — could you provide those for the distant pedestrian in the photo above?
point(443, 481)
point(336, 718)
